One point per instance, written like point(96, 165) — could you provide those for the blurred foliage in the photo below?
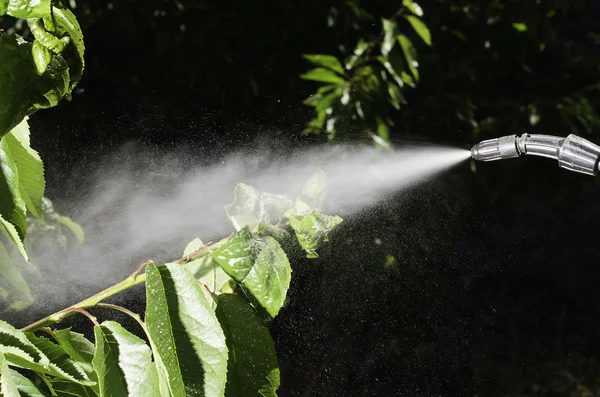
point(495, 67)
point(54, 235)
point(371, 80)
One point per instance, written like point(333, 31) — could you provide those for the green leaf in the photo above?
point(259, 264)
point(27, 8)
point(314, 188)
point(41, 57)
point(73, 226)
point(123, 363)
point(19, 295)
point(252, 368)
point(64, 388)
point(8, 388)
point(280, 234)
point(362, 47)
point(79, 348)
point(12, 205)
point(187, 341)
point(61, 365)
point(246, 208)
point(29, 167)
point(519, 26)
point(45, 38)
point(25, 386)
point(389, 30)
point(67, 25)
point(421, 29)
point(312, 230)
point(14, 344)
point(413, 7)
point(410, 54)
point(12, 232)
point(323, 75)
point(328, 61)
point(15, 74)
point(209, 273)
point(52, 86)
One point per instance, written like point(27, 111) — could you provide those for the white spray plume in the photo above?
point(142, 208)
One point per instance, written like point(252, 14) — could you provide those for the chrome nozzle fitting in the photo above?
point(573, 152)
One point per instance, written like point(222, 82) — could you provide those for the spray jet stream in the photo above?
point(573, 152)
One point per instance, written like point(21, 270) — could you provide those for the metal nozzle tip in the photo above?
point(475, 155)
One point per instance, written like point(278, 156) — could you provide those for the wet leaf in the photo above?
point(260, 264)
point(123, 363)
point(252, 369)
point(313, 229)
point(187, 341)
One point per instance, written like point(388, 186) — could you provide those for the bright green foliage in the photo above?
point(79, 348)
point(206, 269)
point(313, 229)
point(61, 365)
point(12, 205)
point(29, 165)
point(33, 75)
point(14, 290)
point(25, 386)
point(251, 207)
point(25, 8)
point(202, 338)
point(123, 363)
point(375, 77)
point(259, 264)
point(252, 369)
point(8, 388)
point(185, 333)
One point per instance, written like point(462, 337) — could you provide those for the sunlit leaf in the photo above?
point(519, 26)
point(389, 31)
point(362, 47)
point(328, 61)
point(19, 295)
point(413, 7)
point(123, 363)
point(8, 388)
point(252, 369)
point(29, 168)
point(26, 8)
point(245, 209)
point(14, 343)
point(79, 348)
point(25, 386)
point(73, 226)
point(420, 28)
point(67, 25)
point(61, 365)
point(322, 75)
point(313, 229)
point(12, 205)
point(187, 341)
point(41, 57)
point(410, 54)
point(260, 264)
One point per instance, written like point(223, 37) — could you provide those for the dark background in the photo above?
point(494, 287)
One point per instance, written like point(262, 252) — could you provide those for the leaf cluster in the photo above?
point(206, 318)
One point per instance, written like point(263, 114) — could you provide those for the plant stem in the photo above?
point(134, 279)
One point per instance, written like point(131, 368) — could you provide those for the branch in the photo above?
point(134, 279)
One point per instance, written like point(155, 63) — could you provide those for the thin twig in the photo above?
point(134, 279)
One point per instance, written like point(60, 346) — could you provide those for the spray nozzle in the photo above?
point(573, 152)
